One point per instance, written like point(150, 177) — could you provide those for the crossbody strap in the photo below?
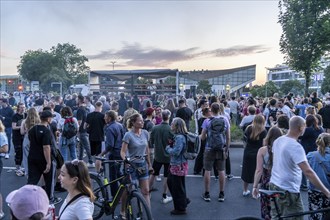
point(71, 201)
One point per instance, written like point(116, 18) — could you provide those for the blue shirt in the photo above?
point(314, 159)
point(114, 133)
point(302, 109)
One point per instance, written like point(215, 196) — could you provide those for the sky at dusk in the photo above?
point(184, 35)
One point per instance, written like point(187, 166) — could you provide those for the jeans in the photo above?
point(84, 144)
point(9, 131)
point(26, 150)
point(68, 145)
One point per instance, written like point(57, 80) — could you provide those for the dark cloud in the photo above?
point(137, 55)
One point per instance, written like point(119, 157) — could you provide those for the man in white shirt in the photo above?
point(284, 108)
point(289, 162)
point(234, 107)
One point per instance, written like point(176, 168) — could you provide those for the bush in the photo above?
point(236, 133)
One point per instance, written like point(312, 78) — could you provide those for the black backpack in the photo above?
point(193, 145)
point(216, 138)
point(272, 112)
point(70, 128)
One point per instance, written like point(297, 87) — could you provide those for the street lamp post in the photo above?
point(113, 64)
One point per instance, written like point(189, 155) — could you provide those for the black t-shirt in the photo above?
point(96, 123)
point(184, 113)
point(17, 137)
point(39, 135)
point(81, 116)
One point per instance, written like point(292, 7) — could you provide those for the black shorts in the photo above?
point(157, 166)
point(96, 147)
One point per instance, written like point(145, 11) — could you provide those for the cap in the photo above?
point(46, 114)
point(27, 201)
point(149, 111)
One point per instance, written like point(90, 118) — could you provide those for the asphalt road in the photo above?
point(235, 204)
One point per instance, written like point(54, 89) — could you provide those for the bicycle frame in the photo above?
point(125, 185)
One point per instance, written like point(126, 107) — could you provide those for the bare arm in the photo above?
point(123, 150)
point(203, 134)
point(23, 128)
point(228, 137)
point(4, 148)
point(258, 172)
point(46, 149)
point(311, 175)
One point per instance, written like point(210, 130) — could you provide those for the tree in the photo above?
point(62, 63)
point(305, 37)
point(326, 81)
point(266, 90)
point(293, 86)
point(204, 86)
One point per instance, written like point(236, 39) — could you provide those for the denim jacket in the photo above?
point(314, 161)
point(176, 152)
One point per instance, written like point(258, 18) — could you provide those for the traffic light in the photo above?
point(20, 87)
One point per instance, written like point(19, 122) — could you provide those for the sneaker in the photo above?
point(2, 215)
point(55, 200)
point(19, 172)
point(91, 165)
point(2, 155)
point(167, 199)
point(206, 197)
point(221, 197)
point(7, 156)
point(158, 179)
point(216, 178)
point(230, 177)
point(178, 212)
point(246, 193)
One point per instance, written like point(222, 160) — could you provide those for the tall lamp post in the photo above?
point(113, 64)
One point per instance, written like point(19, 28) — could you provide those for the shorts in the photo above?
point(157, 166)
point(141, 172)
point(96, 147)
point(214, 157)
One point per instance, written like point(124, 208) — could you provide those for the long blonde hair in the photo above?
point(32, 118)
point(258, 125)
point(322, 142)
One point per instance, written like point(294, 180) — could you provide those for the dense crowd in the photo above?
point(286, 146)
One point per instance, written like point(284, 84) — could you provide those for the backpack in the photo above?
point(216, 134)
point(70, 128)
point(193, 145)
point(272, 112)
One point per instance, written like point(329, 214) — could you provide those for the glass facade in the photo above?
point(236, 78)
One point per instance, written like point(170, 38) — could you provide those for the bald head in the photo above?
point(297, 124)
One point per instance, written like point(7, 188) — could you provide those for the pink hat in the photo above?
point(27, 201)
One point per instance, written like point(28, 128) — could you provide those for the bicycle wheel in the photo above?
point(137, 208)
point(100, 196)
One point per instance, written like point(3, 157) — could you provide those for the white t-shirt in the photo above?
point(80, 209)
point(287, 154)
point(233, 106)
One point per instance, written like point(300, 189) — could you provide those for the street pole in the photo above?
point(113, 64)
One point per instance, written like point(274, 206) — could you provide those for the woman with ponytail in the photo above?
point(263, 170)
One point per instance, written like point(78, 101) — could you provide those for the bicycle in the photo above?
point(136, 206)
point(273, 194)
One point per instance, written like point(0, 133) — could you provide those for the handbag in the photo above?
point(179, 170)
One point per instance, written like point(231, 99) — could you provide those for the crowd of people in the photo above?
point(286, 146)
